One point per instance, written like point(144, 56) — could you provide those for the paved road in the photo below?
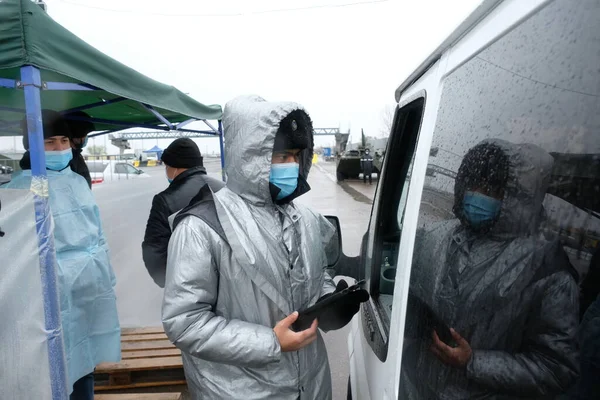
point(125, 205)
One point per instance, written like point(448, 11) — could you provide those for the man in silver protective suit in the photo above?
point(242, 260)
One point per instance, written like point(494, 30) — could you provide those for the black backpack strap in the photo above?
point(202, 206)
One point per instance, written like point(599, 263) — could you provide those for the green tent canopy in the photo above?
point(76, 76)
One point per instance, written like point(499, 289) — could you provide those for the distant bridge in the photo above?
point(326, 131)
point(174, 134)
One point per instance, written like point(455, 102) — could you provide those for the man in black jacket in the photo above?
point(79, 131)
point(187, 175)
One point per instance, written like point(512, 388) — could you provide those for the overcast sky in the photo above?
point(341, 59)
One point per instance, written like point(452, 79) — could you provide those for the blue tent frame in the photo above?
point(31, 83)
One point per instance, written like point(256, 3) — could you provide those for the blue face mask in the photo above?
point(58, 160)
point(167, 173)
point(285, 177)
point(480, 209)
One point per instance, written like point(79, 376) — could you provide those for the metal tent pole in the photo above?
point(31, 83)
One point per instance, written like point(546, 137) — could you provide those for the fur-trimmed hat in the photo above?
point(295, 132)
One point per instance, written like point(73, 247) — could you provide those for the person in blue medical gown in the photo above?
point(86, 280)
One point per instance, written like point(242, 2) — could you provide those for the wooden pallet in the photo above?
point(148, 360)
point(139, 396)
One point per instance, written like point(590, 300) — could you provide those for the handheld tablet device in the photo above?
point(307, 316)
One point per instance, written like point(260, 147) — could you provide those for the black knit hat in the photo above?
point(182, 153)
point(54, 125)
point(295, 132)
point(79, 129)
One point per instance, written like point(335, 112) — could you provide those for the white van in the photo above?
point(514, 92)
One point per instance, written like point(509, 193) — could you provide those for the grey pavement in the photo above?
point(354, 187)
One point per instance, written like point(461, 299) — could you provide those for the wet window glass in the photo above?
point(505, 276)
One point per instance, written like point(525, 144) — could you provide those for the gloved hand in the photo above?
point(337, 317)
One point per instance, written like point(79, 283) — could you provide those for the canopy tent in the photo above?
point(76, 76)
point(43, 65)
point(156, 150)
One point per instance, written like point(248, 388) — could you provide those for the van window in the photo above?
point(384, 234)
point(508, 222)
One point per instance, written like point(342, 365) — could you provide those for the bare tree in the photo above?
point(96, 150)
point(387, 119)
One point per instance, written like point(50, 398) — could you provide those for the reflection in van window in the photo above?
point(508, 293)
point(509, 220)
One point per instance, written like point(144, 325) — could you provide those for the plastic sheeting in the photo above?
point(24, 365)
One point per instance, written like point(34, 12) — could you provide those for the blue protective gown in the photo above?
point(86, 280)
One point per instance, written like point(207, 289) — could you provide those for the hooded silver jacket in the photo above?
point(223, 297)
point(508, 292)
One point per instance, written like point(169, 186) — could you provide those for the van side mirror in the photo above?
point(333, 250)
point(337, 262)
